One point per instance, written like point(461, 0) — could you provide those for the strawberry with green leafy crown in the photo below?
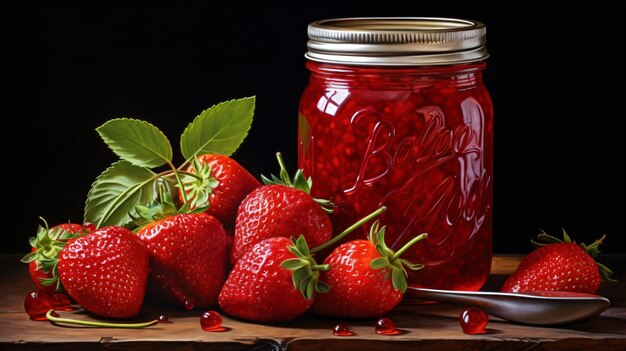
point(559, 265)
point(106, 271)
point(220, 182)
point(277, 279)
point(46, 245)
point(366, 278)
point(262, 287)
point(188, 252)
point(284, 208)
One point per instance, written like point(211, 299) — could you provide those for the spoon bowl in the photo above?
point(536, 308)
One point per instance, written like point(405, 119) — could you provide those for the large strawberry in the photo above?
point(220, 182)
point(560, 265)
point(188, 253)
point(282, 207)
point(46, 245)
point(366, 278)
point(106, 271)
point(274, 281)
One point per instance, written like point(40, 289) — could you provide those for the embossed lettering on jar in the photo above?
point(405, 121)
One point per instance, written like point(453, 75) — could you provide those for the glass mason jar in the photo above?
point(396, 114)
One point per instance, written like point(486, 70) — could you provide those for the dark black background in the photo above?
point(67, 68)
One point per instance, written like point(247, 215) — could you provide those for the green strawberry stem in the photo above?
point(283, 170)
point(407, 246)
point(190, 174)
point(180, 181)
point(349, 230)
point(60, 320)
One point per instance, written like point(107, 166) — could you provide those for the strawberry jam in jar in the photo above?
point(396, 114)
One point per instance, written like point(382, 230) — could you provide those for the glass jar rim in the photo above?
point(396, 41)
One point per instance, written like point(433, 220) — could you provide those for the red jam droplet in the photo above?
point(386, 326)
point(61, 302)
point(189, 304)
point(37, 304)
point(342, 330)
point(473, 321)
point(54, 314)
point(163, 319)
point(211, 321)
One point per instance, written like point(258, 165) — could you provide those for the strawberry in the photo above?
point(188, 253)
point(221, 182)
point(359, 277)
point(560, 265)
point(106, 271)
point(42, 260)
point(282, 207)
point(261, 287)
point(274, 281)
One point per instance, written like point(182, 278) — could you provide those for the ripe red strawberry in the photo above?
point(223, 184)
point(106, 271)
point(274, 281)
point(559, 266)
point(188, 254)
point(359, 278)
point(281, 208)
point(44, 253)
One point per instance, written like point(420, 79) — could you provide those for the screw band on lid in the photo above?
point(396, 41)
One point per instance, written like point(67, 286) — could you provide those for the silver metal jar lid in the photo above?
point(396, 41)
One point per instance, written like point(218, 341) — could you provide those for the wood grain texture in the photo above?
point(424, 326)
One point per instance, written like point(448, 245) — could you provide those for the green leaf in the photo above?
point(310, 288)
point(322, 287)
point(398, 279)
point(379, 263)
point(412, 266)
point(199, 187)
point(116, 192)
point(137, 142)
point(304, 283)
point(297, 276)
point(566, 237)
point(219, 129)
point(31, 257)
point(293, 263)
point(302, 246)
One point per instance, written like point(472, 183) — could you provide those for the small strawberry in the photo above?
point(274, 281)
point(221, 182)
point(42, 260)
point(282, 207)
point(106, 271)
point(560, 265)
point(359, 277)
point(188, 253)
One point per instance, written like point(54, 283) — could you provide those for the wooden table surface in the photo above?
point(424, 327)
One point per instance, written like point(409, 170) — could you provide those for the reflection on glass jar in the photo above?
point(412, 131)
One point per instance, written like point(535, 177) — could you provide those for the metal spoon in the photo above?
point(540, 308)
